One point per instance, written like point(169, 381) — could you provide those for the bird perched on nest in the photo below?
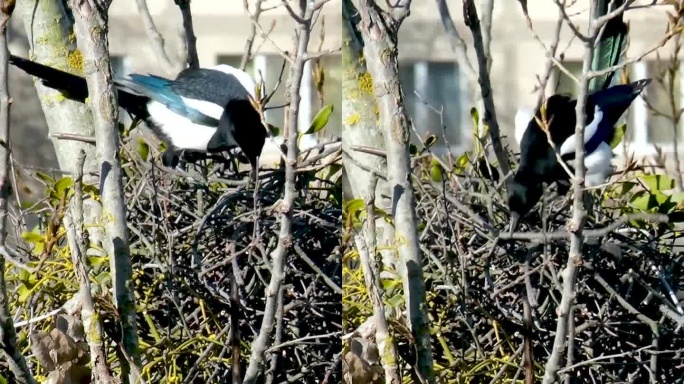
point(604, 107)
point(203, 110)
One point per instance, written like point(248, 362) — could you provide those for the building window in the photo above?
point(269, 67)
point(431, 87)
point(654, 123)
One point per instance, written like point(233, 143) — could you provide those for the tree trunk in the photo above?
point(8, 336)
point(91, 33)
point(379, 30)
point(361, 128)
point(52, 42)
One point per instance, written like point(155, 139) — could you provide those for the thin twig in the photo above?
point(192, 57)
point(8, 336)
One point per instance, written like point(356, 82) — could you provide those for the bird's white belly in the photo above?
point(183, 133)
point(598, 165)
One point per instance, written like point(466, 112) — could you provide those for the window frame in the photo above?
point(421, 75)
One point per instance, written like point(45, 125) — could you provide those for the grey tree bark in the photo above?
point(379, 30)
point(8, 337)
point(362, 176)
point(360, 127)
point(91, 33)
point(50, 33)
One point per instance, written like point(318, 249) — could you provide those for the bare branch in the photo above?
point(156, 39)
point(190, 38)
point(259, 345)
point(486, 18)
point(372, 267)
point(73, 221)
point(457, 44)
point(579, 215)
point(252, 33)
point(472, 21)
point(8, 336)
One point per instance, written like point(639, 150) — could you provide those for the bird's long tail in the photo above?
point(72, 86)
point(609, 48)
point(75, 87)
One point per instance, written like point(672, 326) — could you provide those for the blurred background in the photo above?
point(428, 66)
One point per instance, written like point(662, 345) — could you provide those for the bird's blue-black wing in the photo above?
point(160, 89)
point(209, 85)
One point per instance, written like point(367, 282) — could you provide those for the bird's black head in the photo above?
point(240, 118)
point(523, 194)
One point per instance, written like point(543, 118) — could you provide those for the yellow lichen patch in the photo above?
point(353, 94)
point(52, 98)
point(75, 61)
point(352, 118)
point(72, 37)
point(366, 82)
point(376, 109)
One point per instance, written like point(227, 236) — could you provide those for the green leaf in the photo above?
point(475, 115)
point(462, 162)
point(677, 197)
point(32, 237)
point(618, 135)
point(640, 200)
point(62, 184)
point(395, 301)
point(91, 189)
point(332, 170)
point(389, 285)
point(320, 120)
point(354, 206)
point(24, 293)
point(96, 261)
point(45, 177)
point(658, 182)
point(436, 171)
point(143, 149)
point(430, 141)
point(413, 150)
point(102, 278)
point(626, 187)
point(275, 131)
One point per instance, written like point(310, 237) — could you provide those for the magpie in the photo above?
point(605, 105)
point(202, 110)
point(538, 161)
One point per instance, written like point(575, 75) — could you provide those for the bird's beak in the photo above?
point(514, 222)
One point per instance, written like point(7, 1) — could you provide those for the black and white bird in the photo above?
point(538, 161)
point(203, 110)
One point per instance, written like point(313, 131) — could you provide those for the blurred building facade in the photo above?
point(428, 66)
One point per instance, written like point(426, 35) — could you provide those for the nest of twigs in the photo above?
point(625, 325)
point(194, 239)
point(490, 296)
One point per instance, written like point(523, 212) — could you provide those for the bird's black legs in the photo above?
point(171, 158)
